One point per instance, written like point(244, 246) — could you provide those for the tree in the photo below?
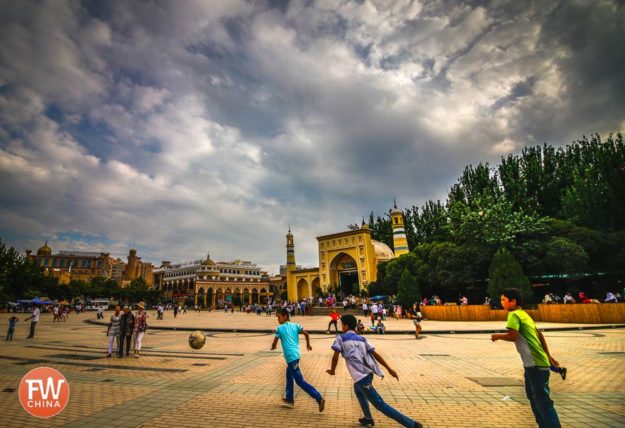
point(408, 291)
point(506, 272)
point(565, 257)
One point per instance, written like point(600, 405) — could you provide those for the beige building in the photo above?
point(135, 268)
point(72, 265)
point(210, 283)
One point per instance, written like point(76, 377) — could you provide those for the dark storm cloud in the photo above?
point(200, 125)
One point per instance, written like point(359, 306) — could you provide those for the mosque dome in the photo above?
point(208, 261)
point(45, 250)
point(382, 251)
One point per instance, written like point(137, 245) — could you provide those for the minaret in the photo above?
point(290, 267)
point(400, 243)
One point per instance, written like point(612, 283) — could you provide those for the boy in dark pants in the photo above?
point(12, 322)
point(361, 358)
point(288, 333)
point(531, 345)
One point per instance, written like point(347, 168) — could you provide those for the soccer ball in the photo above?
point(197, 339)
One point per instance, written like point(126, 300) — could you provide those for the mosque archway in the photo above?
point(302, 289)
point(344, 274)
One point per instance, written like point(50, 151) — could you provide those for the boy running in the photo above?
point(288, 333)
point(531, 345)
point(361, 358)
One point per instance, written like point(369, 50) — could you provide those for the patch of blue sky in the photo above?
point(86, 237)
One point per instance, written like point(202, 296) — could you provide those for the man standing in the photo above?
point(35, 320)
point(126, 327)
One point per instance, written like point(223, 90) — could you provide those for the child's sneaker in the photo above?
point(366, 422)
point(322, 404)
point(562, 372)
point(287, 402)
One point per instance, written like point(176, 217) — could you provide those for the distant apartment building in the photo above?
point(86, 265)
point(72, 265)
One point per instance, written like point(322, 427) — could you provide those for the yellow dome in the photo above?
point(45, 250)
point(208, 261)
point(382, 251)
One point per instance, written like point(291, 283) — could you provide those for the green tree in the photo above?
point(506, 272)
point(408, 291)
point(563, 256)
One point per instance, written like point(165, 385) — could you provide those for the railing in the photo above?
point(582, 313)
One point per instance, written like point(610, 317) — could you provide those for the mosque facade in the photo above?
point(347, 261)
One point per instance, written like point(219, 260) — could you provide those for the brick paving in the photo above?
point(446, 380)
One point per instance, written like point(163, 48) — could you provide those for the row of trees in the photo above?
point(21, 279)
point(554, 212)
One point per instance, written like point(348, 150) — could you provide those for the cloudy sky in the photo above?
point(181, 127)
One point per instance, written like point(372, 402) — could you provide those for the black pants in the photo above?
point(32, 330)
point(127, 340)
point(336, 327)
point(10, 334)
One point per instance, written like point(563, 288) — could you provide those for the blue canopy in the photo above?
point(379, 297)
point(37, 301)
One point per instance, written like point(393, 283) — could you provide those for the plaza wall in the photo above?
point(588, 313)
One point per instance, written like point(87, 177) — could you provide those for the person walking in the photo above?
point(126, 327)
point(141, 325)
point(537, 360)
point(288, 333)
point(113, 330)
point(35, 319)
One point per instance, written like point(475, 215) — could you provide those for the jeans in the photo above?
point(294, 373)
point(365, 392)
point(537, 391)
point(333, 323)
point(10, 334)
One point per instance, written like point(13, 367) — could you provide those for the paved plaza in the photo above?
point(446, 380)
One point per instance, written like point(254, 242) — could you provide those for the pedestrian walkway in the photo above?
point(446, 380)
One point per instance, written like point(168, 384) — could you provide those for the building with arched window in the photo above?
point(210, 283)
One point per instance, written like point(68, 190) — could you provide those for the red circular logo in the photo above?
point(44, 392)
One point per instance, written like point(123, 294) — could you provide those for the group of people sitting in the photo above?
point(552, 298)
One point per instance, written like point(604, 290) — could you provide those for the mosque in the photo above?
point(348, 261)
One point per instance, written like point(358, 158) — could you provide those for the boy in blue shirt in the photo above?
point(362, 363)
point(12, 321)
point(288, 333)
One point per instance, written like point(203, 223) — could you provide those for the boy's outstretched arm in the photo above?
point(307, 336)
point(380, 360)
point(543, 343)
point(510, 336)
point(335, 360)
point(275, 343)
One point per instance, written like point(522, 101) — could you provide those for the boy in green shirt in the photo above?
point(532, 347)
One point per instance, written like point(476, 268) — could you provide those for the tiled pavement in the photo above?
point(446, 380)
